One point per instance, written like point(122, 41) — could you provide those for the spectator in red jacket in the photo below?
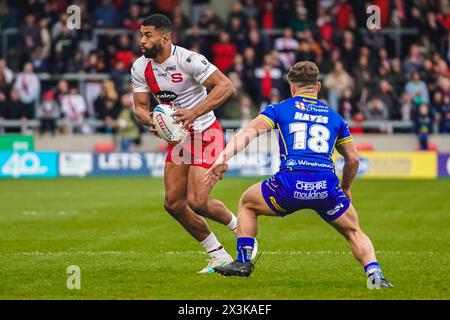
point(268, 77)
point(268, 16)
point(223, 52)
point(343, 14)
point(444, 19)
point(124, 53)
point(326, 29)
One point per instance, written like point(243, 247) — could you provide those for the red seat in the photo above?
point(102, 147)
point(356, 130)
point(364, 146)
point(357, 127)
point(432, 147)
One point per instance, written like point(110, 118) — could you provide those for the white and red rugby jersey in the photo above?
point(177, 81)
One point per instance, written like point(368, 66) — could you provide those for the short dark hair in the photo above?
point(304, 73)
point(159, 21)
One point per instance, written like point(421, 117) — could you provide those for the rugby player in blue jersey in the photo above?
point(309, 130)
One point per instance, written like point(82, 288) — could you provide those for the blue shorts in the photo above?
point(290, 191)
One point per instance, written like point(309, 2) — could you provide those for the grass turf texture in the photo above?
point(127, 247)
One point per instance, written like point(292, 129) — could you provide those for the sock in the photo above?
point(373, 268)
point(214, 247)
point(245, 248)
point(233, 223)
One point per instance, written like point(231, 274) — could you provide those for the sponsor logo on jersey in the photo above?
point(308, 186)
point(275, 204)
point(300, 105)
point(171, 68)
point(159, 73)
point(311, 117)
point(335, 210)
point(204, 62)
point(314, 164)
point(311, 195)
point(189, 59)
point(166, 96)
point(316, 109)
point(177, 77)
point(291, 162)
point(316, 190)
point(206, 69)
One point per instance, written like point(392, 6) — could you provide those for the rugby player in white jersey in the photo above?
point(189, 82)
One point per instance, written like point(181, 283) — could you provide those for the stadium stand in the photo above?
point(389, 80)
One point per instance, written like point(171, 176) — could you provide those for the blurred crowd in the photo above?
point(364, 75)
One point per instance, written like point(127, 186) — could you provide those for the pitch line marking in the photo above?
point(192, 252)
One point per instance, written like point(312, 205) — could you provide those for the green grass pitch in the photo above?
point(127, 247)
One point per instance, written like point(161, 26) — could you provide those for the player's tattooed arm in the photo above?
point(350, 153)
point(220, 89)
point(143, 115)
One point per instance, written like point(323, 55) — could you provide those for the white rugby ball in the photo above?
point(164, 119)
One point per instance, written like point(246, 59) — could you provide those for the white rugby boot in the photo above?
point(215, 262)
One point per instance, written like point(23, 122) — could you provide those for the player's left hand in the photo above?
point(215, 173)
point(348, 194)
point(186, 116)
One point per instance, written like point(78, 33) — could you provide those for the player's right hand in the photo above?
point(151, 126)
point(215, 173)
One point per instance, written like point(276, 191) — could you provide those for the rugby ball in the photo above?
point(164, 120)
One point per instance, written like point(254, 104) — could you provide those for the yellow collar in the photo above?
point(305, 96)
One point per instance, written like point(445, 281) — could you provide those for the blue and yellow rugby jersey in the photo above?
point(308, 132)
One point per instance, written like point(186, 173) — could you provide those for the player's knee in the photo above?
point(352, 233)
point(242, 201)
point(200, 206)
point(175, 207)
point(246, 202)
